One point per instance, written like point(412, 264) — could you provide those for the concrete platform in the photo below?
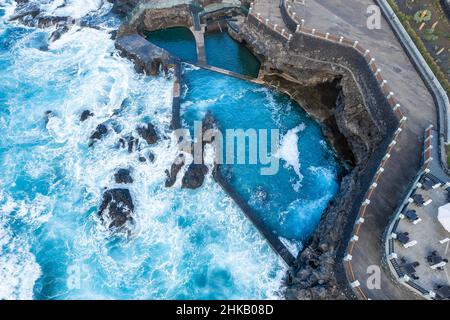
point(146, 56)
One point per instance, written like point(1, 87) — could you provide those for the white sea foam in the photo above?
point(288, 151)
point(69, 8)
point(293, 246)
point(18, 267)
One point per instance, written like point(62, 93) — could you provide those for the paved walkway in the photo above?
point(269, 9)
point(348, 18)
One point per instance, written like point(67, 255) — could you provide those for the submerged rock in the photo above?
point(98, 134)
point(261, 195)
point(194, 176)
point(150, 156)
point(123, 176)
point(57, 34)
point(85, 115)
point(147, 57)
point(117, 207)
point(175, 168)
point(31, 15)
point(148, 133)
point(48, 114)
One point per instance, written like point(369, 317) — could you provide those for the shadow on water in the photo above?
point(179, 41)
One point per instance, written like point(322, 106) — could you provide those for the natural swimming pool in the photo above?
point(221, 50)
point(292, 201)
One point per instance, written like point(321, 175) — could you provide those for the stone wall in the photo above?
point(158, 18)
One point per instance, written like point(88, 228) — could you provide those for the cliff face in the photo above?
point(335, 86)
point(327, 91)
point(158, 18)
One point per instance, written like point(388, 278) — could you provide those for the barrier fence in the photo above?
point(295, 24)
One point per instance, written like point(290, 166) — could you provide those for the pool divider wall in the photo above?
point(273, 240)
point(176, 101)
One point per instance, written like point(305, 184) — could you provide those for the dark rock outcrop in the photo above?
point(48, 114)
point(123, 7)
point(336, 86)
point(148, 133)
point(123, 176)
point(117, 207)
point(194, 176)
point(156, 18)
point(98, 134)
point(175, 168)
point(85, 115)
point(29, 14)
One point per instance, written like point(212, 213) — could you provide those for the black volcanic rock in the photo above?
point(85, 115)
point(123, 176)
point(194, 176)
point(132, 143)
point(99, 133)
point(148, 133)
point(150, 157)
point(56, 35)
point(117, 207)
point(123, 7)
point(48, 114)
point(175, 168)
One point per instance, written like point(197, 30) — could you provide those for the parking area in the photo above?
point(420, 242)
